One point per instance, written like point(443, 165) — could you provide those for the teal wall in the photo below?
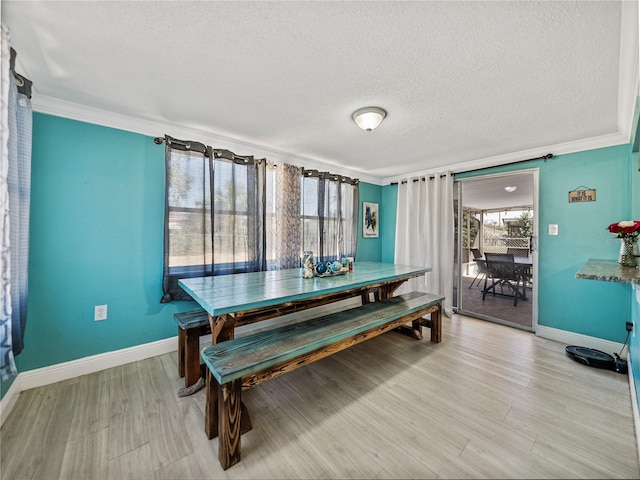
point(369, 249)
point(97, 209)
point(388, 220)
point(597, 309)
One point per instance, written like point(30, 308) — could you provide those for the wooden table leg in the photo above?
point(215, 409)
point(222, 328)
point(191, 355)
point(182, 340)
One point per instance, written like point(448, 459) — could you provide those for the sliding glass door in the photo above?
point(496, 216)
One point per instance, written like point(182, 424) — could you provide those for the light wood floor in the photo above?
point(488, 402)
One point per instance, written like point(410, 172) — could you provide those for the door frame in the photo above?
point(535, 240)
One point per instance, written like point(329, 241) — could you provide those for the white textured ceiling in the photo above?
point(465, 84)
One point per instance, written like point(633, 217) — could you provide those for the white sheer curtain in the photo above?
point(7, 367)
point(15, 195)
point(424, 233)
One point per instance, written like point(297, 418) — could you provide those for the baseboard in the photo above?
point(571, 338)
point(95, 363)
point(9, 400)
point(634, 403)
point(82, 366)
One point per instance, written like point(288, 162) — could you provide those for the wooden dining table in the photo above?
point(245, 298)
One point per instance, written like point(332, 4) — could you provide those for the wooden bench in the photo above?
point(191, 326)
point(249, 360)
point(194, 324)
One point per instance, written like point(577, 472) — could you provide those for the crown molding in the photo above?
point(74, 111)
point(82, 113)
point(514, 157)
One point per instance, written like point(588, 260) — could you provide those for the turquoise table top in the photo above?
point(224, 294)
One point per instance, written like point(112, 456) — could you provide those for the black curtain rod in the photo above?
point(24, 84)
point(424, 179)
point(546, 157)
point(187, 146)
point(331, 176)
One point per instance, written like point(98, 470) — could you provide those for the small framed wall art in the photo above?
point(370, 220)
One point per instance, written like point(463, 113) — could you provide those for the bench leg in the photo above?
point(191, 356)
point(416, 327)
point(436, 325)
point(182, 340)
point(229, 420)
point(211, 410)
point(211, 407)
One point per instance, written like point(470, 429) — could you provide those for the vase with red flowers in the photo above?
point(627, 231)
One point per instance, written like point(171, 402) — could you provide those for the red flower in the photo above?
point(614, 228)
point(625, 228)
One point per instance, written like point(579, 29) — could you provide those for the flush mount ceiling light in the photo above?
point(369, 118)
point(510, 189)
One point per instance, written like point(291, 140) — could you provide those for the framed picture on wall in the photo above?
point(370, 220)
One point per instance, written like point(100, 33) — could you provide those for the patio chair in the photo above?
point(481, 266)
point(503, 273)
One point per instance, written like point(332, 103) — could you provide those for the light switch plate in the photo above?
point(553, 229)
point(99, 313)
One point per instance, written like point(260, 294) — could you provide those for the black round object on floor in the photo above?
point(591, 357)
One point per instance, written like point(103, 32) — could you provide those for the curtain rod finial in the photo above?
point(158, 140)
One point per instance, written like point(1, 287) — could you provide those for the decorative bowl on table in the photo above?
point(330, 269)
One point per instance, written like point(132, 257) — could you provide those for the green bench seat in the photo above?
point(249, 360)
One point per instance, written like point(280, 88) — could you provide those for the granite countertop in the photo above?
point(609, 271)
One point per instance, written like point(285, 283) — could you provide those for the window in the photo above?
point(213, 214)
point(230, 214)
point(237, 217)
point(329, 215)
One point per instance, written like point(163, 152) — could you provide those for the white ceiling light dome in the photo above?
point(368, 118)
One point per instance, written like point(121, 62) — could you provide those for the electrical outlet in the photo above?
point(99, 313)
point(629, 326)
